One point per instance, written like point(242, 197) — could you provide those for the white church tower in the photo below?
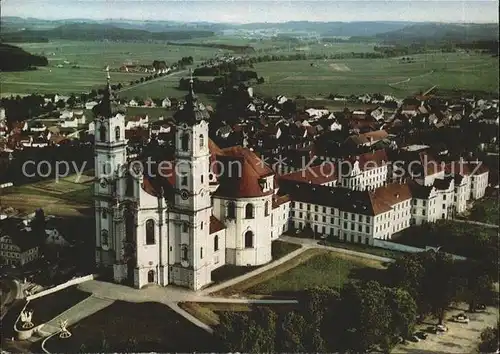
point(110, 158)
point(190, 251)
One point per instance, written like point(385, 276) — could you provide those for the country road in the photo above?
point(150, 81)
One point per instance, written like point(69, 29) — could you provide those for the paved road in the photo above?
point(150, 81)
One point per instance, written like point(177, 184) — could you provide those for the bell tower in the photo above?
point(110, 157)
point(190, 224)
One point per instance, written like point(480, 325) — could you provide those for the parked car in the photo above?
point(481, 307)
point(421, 335)
point(414, 339)
point(441, 328)
point(461, 318)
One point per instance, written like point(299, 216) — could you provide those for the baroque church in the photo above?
point(178, 221)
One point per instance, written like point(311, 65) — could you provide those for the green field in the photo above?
point(388, 76)
point(92, 58)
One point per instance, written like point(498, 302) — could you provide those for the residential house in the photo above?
point(166, 103)
point(137, 121)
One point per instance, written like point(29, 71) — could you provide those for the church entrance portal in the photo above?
point(151, 276)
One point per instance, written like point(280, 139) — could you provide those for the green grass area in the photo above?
point(280, 248)
point(49, 306)
point(388, 76)
point(135, 327)
point(92, 58)
point(486, 211)
point(325, 269)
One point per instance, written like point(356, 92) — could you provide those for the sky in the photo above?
point(240, 11)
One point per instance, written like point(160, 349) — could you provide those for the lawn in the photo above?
point(364, 248)
point(324, 269)
point(388, 76)
point(135, 327)
point(314, 267)
point(92, 58)
point(485, 210)
point(279, 249)
point(49, 306)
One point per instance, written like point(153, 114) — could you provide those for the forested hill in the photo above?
point(92, 31)
point(16, 59)
point(442, 32)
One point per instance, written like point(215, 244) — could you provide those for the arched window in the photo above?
point(150, 232)
point(130, 186)
point(231, 210)
point(266, 208)
point(104, 237)
point(185, 251)
point(202, 140)
point(249, 211)
point(102, 133)
point(248, 239)
point(216, 243)
point(185, 142)
point(117, 133)
point(104, 214)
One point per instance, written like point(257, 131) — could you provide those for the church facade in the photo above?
point(174, 221)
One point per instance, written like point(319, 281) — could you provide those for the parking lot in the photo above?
point(460, 337)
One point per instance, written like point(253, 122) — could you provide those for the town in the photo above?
point(362, 222)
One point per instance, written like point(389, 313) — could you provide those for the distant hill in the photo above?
point(331, 28)
point(442, 32)
point(16, 59)
point(96, 31)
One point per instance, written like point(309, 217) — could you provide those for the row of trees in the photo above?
point(218, 84)
point(362, 317)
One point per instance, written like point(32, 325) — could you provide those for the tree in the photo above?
point(404, 312)
point(60, 104)
point(290, 333)
point(71, 100)
point(489, 340)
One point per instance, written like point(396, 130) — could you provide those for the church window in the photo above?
point(266, 208)
point(104, 237)
point(185, 142)
point(248, 239)
point(184, 180)
point(117, 133)
point(201, 178)
point(104, 214)
point(216, 243)
point(150, 232)
point(249, 211)
point(185, 251)
point(201, 252)
point(102, 133)
point(185, 227)
point(202, 140)
point(201, 225)
point(231, 210)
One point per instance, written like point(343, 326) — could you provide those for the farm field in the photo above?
point(92, 58)
point(68, 196)
point(387, 76)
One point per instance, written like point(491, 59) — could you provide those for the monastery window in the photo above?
point(102, 133)
point(104, 214)
point(360, 228)
point(315, 208)
point(324, 209)
point(104, 237)
point(202, 140)
point(292, 214)
point(308, 207)
point(150, 232)
point(324, 218)
point(345, 225)
point(185, 142)
point(248, 239)
point(367, 229)
point(266, 208)
point(117, 133)
point(249, 211)
point(216, 243)
point(300, 215)
point(231, 210)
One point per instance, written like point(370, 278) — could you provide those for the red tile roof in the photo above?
point(315, 175)
point(280, 200)
point(371, 160)
point(467, 168)
point(215, 225)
